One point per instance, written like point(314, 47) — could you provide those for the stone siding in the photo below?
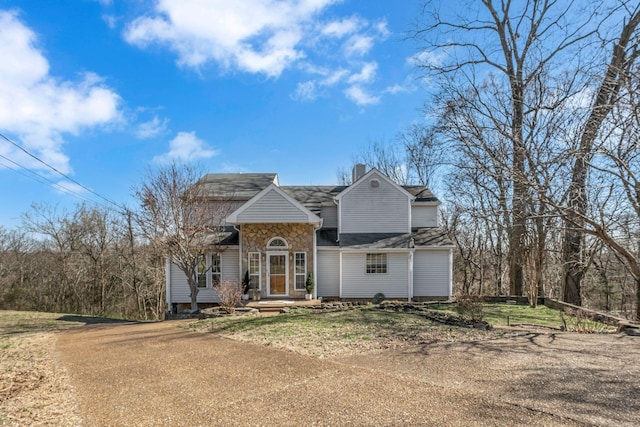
point(299, 238)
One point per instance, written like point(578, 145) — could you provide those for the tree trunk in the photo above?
point(577, 204)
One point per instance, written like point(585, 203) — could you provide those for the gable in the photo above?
point(374, 204)
point(272, 205)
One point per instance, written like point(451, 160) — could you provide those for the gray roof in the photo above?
point(327, 237)
point(313, 196)
point(421, 193)
point(418, 237)
point(227, 236)
point(236, 186)
point(243, 186)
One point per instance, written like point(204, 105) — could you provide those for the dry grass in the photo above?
point(327, 335)
point(34, 387)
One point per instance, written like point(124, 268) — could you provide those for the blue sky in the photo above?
point(103, 90)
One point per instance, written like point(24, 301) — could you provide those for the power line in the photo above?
point(41, 178)
point(58, 172)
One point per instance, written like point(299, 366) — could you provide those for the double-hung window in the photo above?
point(201, 271)
point(376, 263)
point(301, 270)
point(208, 270)
point(254, 269)
point(216, 269)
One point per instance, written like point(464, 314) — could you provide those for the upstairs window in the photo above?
point(376, 263)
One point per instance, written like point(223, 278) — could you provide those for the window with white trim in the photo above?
point(216, 269)
point(201, 271)
point(254, 269)
point(300, 270)
point(376, 263)
point(277, 242)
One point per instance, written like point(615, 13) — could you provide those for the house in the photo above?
point(370, 237)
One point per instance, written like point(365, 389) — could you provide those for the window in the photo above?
point(216, 269)
point(376, 263)
point(254, 269)
point(201, 271)
point(301, 270)
point(277, 242)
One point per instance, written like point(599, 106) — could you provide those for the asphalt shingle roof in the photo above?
point(235, 186)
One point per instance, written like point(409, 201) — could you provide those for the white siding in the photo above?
point(424, 216)
point(381, 210)
point(357, 284)
point(328, 273)
point(180, 292)
point(329, 216)
point(272, 207)
point(230, 264)
point(431, 273)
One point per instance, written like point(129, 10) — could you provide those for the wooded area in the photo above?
point(532, 136)
point(530, 139)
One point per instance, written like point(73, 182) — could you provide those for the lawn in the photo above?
point(331, 334)
point(517, 315)
point(368, 328)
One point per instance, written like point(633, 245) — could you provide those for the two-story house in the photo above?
point(370, 237)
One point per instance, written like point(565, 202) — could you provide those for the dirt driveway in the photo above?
point(161, 374)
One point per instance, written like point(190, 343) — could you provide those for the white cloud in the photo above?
point(358, 45)
point(186, 147)
point(306, 91)
point(310, 90)
point(366, 75)
point(264, 37)
point(427, 57)
point(358, 95)
point(110, 20)
point(152, 128)
point(259, 37)
point(67, 187)
point(40, 109)
point(342, 27)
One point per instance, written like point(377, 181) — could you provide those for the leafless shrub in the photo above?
point(230, 293)
point(470, 307)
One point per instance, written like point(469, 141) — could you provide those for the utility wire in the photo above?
point(59, 173)
point(41, 179)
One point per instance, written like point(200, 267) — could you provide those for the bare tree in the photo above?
point(178, 218)
point(624, 54)
point(488, 60)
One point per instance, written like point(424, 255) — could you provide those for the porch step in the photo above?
point(276, 305)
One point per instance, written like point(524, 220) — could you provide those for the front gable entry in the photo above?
point(273, 206)
point(374, 203)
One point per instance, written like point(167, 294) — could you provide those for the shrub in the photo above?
point(378, 298)
point(230, 294)
point(470, 307)
point(309, 284)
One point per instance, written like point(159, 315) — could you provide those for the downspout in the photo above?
point(450, 272)
point(240, 256)
point(315, 258)
point(167, 279)
point(410, 275)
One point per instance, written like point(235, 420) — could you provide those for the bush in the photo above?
point(230, 294)
point(378, 298)
point(470, 307)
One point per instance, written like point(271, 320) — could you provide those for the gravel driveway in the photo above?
point(162, 374)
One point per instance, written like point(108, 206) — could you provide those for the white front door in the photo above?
point(277, 274)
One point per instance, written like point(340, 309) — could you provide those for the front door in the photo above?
point(278, 274)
